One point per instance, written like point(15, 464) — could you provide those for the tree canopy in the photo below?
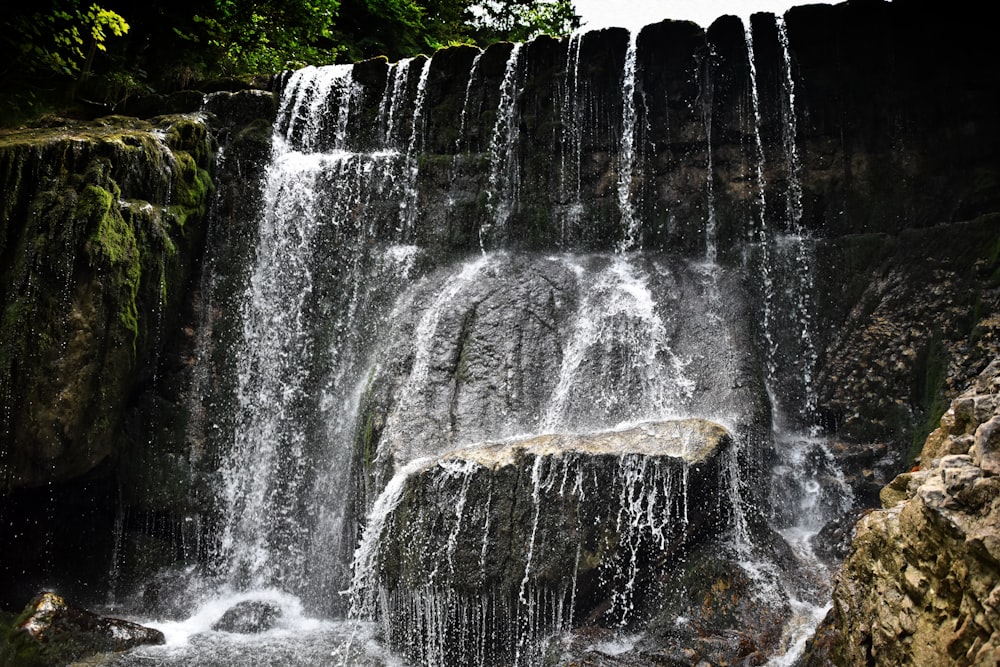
point(161, 46)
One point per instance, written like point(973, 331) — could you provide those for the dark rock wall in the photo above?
point(103, 232)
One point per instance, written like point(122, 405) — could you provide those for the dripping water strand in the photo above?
point(504, 178)
point(759, 235)
point(798, 237)
point(409, 212)
point(473, 71)
point(707, 92)
point(571, 155)
point(626, 151)
point(392, 99)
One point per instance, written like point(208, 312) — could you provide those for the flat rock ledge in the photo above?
point(475, 555)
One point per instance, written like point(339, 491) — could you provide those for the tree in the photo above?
point(53, 41)
point(167, 46)
point(521, 20)
point(249, 36)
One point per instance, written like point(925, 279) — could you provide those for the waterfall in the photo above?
point(504, 180)
point(302, 355)
point(415, 304)
point(619, 343)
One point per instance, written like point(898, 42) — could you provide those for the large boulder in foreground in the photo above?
point(474, 556)
point(51, 631)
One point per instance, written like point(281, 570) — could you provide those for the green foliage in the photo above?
point(70, 56)
point(521, 20)
point(932, 371)
point(247, 36)
point(401, 28)
point(54, 41)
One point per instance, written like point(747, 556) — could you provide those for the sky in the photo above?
point(637, 13)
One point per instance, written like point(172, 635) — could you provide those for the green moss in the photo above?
point(368, 441)
point(192, 187)
point(113, 242)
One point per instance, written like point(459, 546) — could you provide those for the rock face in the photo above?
point(476, 555)
point(513, 343)
point(101, 229)
point(101, 237)
point(921, 583)
point(52, 632)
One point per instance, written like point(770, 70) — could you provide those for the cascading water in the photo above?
point(807, 486)
point(382, 333)
point(626, 155)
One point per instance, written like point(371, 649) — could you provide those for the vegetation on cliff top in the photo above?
point(62, 52)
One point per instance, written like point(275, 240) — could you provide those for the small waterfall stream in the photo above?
point(373, 345)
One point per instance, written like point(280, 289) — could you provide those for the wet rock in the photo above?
point(51, 631)
point(519, 341)
point(833, 541)
point(987, 442)
point(249, 617)
point(718, 612)
point(102, 225)
point(524, 538)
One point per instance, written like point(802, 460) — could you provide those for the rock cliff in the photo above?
point(921, 583)
point(477, 555)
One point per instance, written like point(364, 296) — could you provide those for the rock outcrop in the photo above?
point(921, 583)
point(249, 617)
point(100, 231)
point(512, 343)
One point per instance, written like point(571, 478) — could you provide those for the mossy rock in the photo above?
point(101, 233)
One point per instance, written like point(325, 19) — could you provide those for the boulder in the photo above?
point(249, 617)
point(476, 554)
point(51, 631)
